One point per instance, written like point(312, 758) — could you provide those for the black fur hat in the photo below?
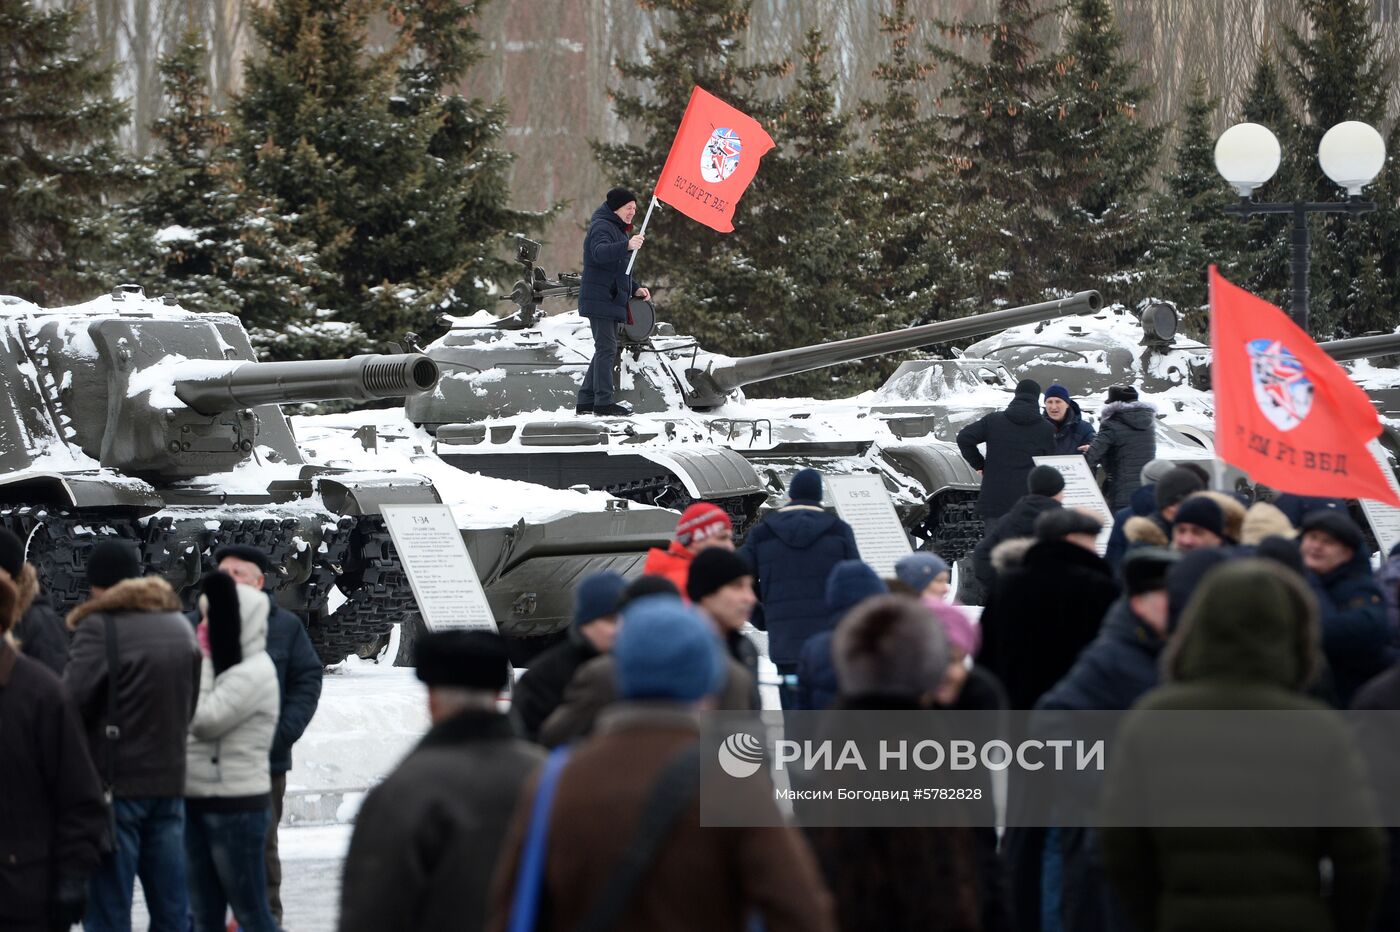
point(221, 610)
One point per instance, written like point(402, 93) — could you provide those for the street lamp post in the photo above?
point(1351, 154)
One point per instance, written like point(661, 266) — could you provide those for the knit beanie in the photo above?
point(1155, 470)
point(712, 570)
point(916, 570)
point(806, 487)
point(1202, 512)
point(11, 553)
point(1059, 523)
point(1335, 524)
point(1124, 393)
point(619, 197)
point(112, 561)
point(666, 650)
point(597, 596)
point(1028, 389)
point(1045, 480)
point(850, 583)
point(1174, 485)
point(1057, 391)
point(957, 626)
point(643, 586)
point(700, 521)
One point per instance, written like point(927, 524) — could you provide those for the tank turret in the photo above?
point(137, 418)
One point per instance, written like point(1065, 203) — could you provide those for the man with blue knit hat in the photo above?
point(669, 666)
point(851, 583)
point(793, 552)
point(1073, 434)
point(540, 691)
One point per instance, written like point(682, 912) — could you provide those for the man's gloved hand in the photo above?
point(69, 901)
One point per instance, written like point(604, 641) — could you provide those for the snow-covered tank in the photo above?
point(132, 417)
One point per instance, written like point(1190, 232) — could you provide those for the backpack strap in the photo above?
point(675, 789)
point(529, 883)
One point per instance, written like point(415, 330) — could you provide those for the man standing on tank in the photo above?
point(605, 291)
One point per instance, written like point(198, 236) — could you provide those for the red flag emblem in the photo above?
point(1285, 412)
point(713, 158)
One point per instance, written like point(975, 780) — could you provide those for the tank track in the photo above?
point(665, 492)
point(348, 553)
point(953, 526)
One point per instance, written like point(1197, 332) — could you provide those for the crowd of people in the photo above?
point(154, 748)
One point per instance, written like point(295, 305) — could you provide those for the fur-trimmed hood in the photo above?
point(28, 587)
point(1141, 530)
point(1010, 554)
point(1139, 415)
point(1265, 520)
point(147, 594)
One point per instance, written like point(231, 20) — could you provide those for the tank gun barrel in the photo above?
point(360, 378)
point(710, 387)
point(1380, 344)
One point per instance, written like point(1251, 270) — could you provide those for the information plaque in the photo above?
point(439, 569)
point(1081, 491)
point(863, 502)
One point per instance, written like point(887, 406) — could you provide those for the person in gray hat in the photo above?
point(1143, 504)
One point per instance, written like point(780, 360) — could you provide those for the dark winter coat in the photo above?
point(427, 839)
point(745, 653)
point(1041, 615)
point(540, 690)
point(1111, 674)
point(1018, 522)
point(157, 685)
point(1382, 694)
point(702, 879)
point(1144, 503)
point(1126, 442)
point(594, 688)
point(792, 552)
point(817, 686)
point(52, 817)
point(1356, 636)
point(1013, 438)
point(1240, 879)
point(605, 287)
point(299, 674)
point(1073, 432)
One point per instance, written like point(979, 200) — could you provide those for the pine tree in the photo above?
point(994, 130)
point(60, 167)
point(1190, 228)
point(215, 247)
point(706, 282)
point(1106, 152)
point(1337, 71)
point(401, 186)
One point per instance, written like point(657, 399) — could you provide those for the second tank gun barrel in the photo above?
point(368, 377)
point(710, 387)
point(1378, 344)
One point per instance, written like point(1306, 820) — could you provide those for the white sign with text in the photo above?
point(439, 569)
point(863, 502)
point(1081, 491)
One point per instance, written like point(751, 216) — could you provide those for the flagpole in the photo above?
point(641, 232)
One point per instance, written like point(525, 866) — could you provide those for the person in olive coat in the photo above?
point(604, 293)
point(427, 839)
point(1014, 437)
point(1248, 640)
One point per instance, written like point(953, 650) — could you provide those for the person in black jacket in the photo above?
point(1072, 433)
point(720, 584)
point(541, 688)
point(793, 552)
point(299, 674)
point(605, 290)
point(1126, 442)
point(1013, 438)
point(1043, 613)
point(1045, 490)
point(39, 632)
point(52, 816)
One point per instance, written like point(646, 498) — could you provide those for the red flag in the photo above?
point(1285, 412)
point(713, 158)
